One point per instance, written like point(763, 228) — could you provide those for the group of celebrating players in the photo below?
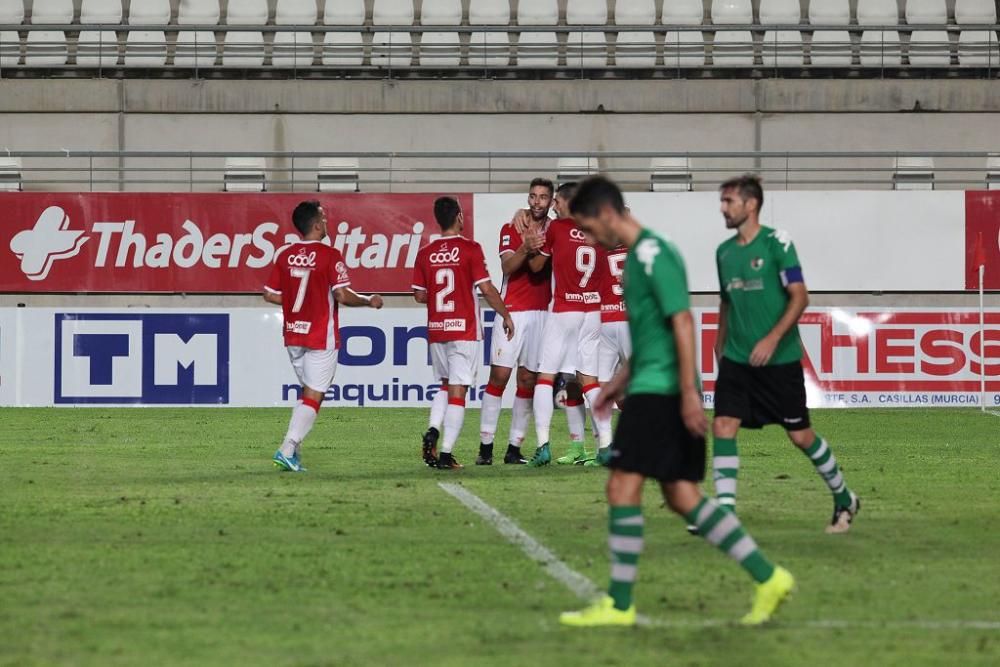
point(595, 296)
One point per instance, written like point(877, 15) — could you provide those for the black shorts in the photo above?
point(652, 440)
point(762, 395)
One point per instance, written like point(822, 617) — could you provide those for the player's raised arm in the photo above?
point(511, 258)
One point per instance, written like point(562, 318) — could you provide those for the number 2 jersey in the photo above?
point(449, 269)
point(575, 285)
point(305, 275)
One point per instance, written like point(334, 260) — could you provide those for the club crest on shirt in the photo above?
point(757, 263)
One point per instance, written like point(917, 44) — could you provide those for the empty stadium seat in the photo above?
point(586, 49)
point(782, 48)
point(147, 48)
point(10, 174)
point(98, 48)
point(975, 11)
point(913, 173)
point(293, 48)
point(195, 49)
point(733, 48)
point(392, 12)
point(830, 12)
point(978, 48)
point(926, 11)
point(635, 49)
point(929, 48)
point(245, 174)
point(575, 168)
point(586, 12)
point(683, 12)
point(49, 12)
point(537, 12)
point(489, 49)
point(732, 11)
point(198, 12)
point(878, 12)
point(537, 49)
point(684, 49)
point(47, 48)
point(636, 12)
point(392, 49)
point(878, 48)
point(489, 12)
point(670, 174)
point(337, 174)
point(441, 12)
point(777, 12)
point(344, 49)
point(830, 48)
point(245, 48)
point(11, 13)
point(993, 172)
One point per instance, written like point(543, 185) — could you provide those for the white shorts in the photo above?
point(457, 361)
point(524, 348)
point(314, 368)
point(570, 342)
point(616, 348)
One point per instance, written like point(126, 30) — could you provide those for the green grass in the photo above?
point(164, 537)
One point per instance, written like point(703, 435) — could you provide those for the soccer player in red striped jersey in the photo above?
point(571, 336)
point(446, 275)
point(309, 281)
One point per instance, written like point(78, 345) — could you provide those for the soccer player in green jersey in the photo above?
point(760, 381)
point(661, 433)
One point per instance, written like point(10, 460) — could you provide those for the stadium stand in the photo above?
point(343, 49)
point(879, 48)
point(831, 48)
point(48, 48)
point(10, 174)
point(670, 174)
point(781, 48)
point(196, 48)
point(913, 173)
point(245, 48)
point(338, 174)
point(245, 174)
point(440, 49)
point(732, 48)
point(489, 49)
point(98, 48)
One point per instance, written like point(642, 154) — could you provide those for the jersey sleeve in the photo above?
point(273, 284)
point(510, 240)
point(419, 280)
point(477, 266)
point(668, 279)
point(786, 257)
point(338, 275)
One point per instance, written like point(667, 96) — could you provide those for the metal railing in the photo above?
point(381, 50)
point(204, 171)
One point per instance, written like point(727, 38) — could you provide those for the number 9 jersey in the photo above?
point(305, 275)
point(449, 269)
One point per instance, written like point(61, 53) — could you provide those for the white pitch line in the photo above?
point(586, 589)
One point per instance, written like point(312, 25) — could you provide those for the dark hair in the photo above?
point(749, 187)
point(568, 190)
point(305, 215)
point(543, 183)
point(446, 210)
point(595, 193)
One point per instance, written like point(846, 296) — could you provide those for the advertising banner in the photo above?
point(982, 239)
point(208, 243)
point(235, 357)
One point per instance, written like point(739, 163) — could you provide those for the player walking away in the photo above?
point(661, 433)
point(572, 333)
point(309, 281)
point(447, 272)
point(760, 381)
point(527, 296)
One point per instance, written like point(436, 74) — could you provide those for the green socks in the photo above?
point(625, 541)
point(826, 465)
point(725, 468)
point(721, 528)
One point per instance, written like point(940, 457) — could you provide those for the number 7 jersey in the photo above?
point(449, 269)
point(305, 275)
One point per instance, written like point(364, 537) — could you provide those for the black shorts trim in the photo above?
point(652, 440)
point(762, 395)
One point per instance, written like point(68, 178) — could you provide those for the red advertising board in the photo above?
point(982, 221)
point(149, 242)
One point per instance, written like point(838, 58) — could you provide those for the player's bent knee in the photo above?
point(725, 427)
point(681, 496)
point(803, 439)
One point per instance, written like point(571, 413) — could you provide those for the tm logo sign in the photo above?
point(151, 359)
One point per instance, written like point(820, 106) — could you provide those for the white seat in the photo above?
point(670, 174)
point(94, 12)
point(145, 48)
point(733, 48)
point(782, 48)
point(195, 49)
point(683, 12)
point(489, 12)
point(440, 49)
point(978, 48)
point(245, 174)
point(537, 12)
point(913, 173)
point(732, 11)
point(975, 11)
point(929, 48)
point(344, 12)
point(441, 12)
point(198, 12)
point(926, 11)
point(878, 12)
point(47, 48)
point(292, 49)
point(830, 12)
point(881, 49)
point(51, 12)
point(295, 12)
point(11, 12)
point(831, 48)
point(586, 49)
point(10, 174)
point(97, 48)
point(392, 49)
point(244, 48)
point(636, 12)
point(246, 12)
point(778, 12)
point(586, 12)
point(10, 48)
point(684, 49)
point(392, 12)
point(635, 49)
point(993, 173)
point(489, 49)
point(537, 49)
point(337, 174)
point(575, 168)
point(149, 12)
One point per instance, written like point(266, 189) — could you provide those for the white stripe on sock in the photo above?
point(625, 545)
point(622, 572)
point(722, 530)
point(743, 548)
point(706, 511)
point(726, 462)
point(637, 520)
point(823, 449)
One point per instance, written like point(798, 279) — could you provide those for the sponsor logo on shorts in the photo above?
point(298, 327)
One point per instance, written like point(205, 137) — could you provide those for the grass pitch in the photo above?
point(165, 537)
